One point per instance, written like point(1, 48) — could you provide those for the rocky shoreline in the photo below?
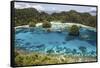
point(40, 59)
point(59, 25)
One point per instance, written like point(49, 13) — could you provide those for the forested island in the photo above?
point(31, 15)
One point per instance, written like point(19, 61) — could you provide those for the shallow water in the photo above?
point(39, 40)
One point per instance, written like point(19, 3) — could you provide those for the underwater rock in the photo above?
point(78, 53)
point(22, 47)
point(59, 49)
point(59, 31)
point(24, 30)
point(27, 43)
point(30, 49)
point(50, 51)
point(64, 42)
point(92, 42)
point(48, 30)
point(68, 50)
point(74, 51)
point(16, 42)
point(50, 42)
point(68, 38)
point(31, 46)
point(22, 39)
point(31, 29)
point(18, 39)
point(84, 37)
point(83, 50)
point(39, 46)
point(18, 31)
point(93, 53)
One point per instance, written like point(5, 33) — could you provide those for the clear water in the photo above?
point(39, 40)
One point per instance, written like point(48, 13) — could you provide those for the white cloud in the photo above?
point(28, 5)
point(38, 7)
point(21, 5)
point(53, 8)
point(93, 9)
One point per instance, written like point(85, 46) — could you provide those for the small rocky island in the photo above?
point(74, 30)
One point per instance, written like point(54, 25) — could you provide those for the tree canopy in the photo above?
point(24, 16)
point(74, 30)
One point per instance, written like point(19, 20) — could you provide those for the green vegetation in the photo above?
point(32, 24)
point(24, 16)
point(74, 30)
point(23, 59)
point(46, 24)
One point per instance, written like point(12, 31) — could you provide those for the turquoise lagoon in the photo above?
point(37, 39)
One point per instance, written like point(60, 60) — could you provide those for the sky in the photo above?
point(53, 7)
